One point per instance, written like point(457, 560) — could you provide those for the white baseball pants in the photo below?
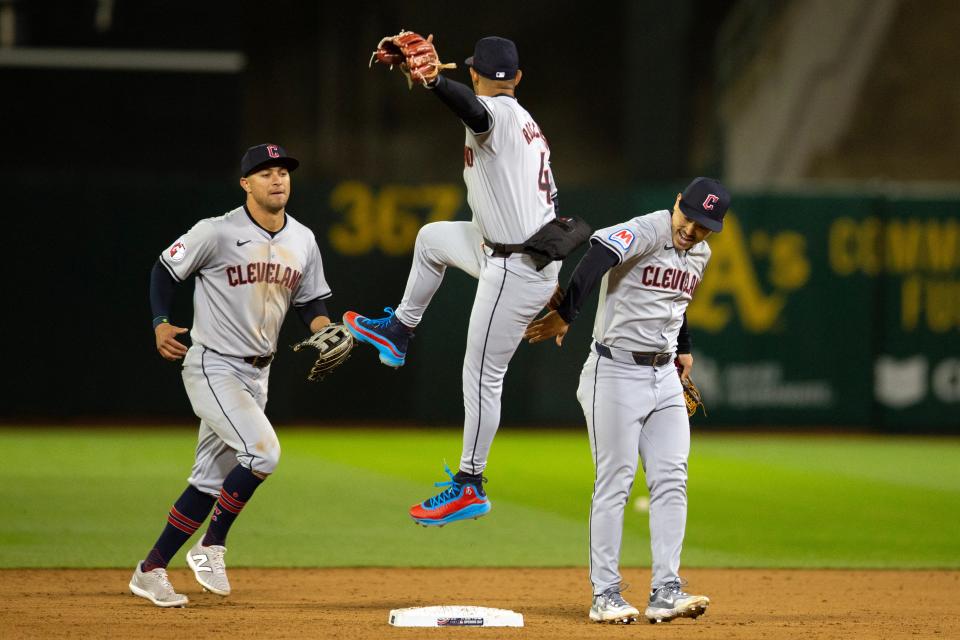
point(510, 294)
point(634, 410)
point(229, 397)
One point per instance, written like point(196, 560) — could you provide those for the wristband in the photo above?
point(160, 320)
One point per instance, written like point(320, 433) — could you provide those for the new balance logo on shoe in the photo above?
point(200, 562)
point(209, 568)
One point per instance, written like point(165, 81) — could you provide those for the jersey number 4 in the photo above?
point(543, 178)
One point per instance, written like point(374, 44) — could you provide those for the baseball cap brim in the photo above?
point(288, 162)
point(698, 217)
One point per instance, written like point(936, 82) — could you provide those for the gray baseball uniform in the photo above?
point(510, 190)
point(632, 408)
point(247, 278)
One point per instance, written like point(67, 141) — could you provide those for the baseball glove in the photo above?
point(415, 55)
point(691, 395)
point(333, 344)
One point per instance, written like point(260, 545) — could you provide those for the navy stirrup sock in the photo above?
point(185, 517)
point(238, 487)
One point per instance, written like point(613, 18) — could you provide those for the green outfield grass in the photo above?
point(98, 498)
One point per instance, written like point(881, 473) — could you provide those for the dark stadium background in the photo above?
point(123, 122)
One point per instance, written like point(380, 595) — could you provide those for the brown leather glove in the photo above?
point(415, 55)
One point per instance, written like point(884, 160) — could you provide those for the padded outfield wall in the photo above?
point(830, 309)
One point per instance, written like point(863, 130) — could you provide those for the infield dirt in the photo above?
point(354, 603)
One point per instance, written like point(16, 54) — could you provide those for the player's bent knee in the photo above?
point(432, 235)
point(264, 460)
point(266, 463)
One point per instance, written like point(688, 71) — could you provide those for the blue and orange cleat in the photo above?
point(459, 501)
point(390, 336)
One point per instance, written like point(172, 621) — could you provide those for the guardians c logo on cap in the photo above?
point(266, 155)
point(705, 201)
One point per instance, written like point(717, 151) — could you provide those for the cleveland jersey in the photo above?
point(644, 297)
point(510, 186)
point(246, 279)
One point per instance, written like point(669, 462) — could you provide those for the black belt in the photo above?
point(644, 359)
point(257, 361)
point(501, 250)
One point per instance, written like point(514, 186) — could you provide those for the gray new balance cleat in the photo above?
point(610, 607)
point(669, 601)
point(155, 586)
point(208, 568)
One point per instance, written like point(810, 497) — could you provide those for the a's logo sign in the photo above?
point(273, 151)
point(200, 560)
point(177, 251)
point(710, 201)
point(623, 237)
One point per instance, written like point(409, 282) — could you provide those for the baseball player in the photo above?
point(511, 191)
point(629, 389)
point(250, 265)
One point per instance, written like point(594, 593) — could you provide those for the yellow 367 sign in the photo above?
point(388, 220)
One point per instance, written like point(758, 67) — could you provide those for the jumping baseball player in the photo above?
point(511, 191)
point(629, 389)
point(250, 265)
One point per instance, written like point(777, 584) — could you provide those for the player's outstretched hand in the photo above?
point(167, 344)
point(547, 327)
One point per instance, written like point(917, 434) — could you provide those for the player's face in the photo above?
point(686, 232)
point(269, 187)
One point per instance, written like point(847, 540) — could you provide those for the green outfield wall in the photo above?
point(816, 309)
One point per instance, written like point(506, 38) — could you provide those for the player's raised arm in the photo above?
point(463, 102)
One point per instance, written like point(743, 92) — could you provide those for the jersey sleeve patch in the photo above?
point(623, 238)
point(177, 251)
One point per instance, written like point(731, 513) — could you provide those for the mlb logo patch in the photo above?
point(177, 251)
point(501, 74)
point(623, 238)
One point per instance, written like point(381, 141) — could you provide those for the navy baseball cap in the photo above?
point(706, 201)
point(495, 58)
point(266, 155)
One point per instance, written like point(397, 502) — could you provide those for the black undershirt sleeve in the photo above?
point(463, 102)
point(311, 310)
point(684, 341)
point(594, 264)
point(162, 289)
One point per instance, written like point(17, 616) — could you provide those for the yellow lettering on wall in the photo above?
point(730, 275)
point(942, 244)
point(388, 220)
point(910, 303)
point(397, 225)
point(789, 267)
point(897, 246)
point(445, 201)
point(869, 254)
point(842, 241)
point(902, 240)
point(942, 305)
point(357, 233)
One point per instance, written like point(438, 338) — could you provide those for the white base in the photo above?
point(455, 616)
